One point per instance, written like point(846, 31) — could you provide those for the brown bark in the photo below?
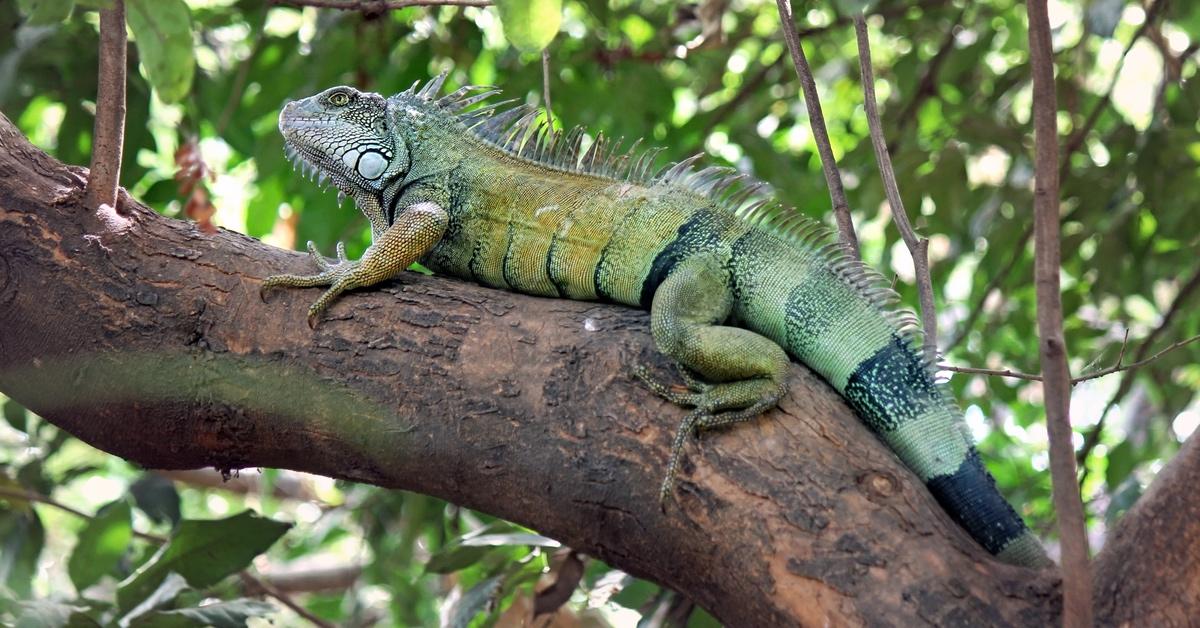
point(147, 339)
point(1052, 344)
point(108, 135)
point(1147, 575)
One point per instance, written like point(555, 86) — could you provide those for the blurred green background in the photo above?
point(207, 79)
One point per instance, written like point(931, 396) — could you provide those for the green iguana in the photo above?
point(501, 199)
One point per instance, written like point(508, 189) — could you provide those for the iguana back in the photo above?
point(501, 200)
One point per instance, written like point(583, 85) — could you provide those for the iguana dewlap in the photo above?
point(735, 283)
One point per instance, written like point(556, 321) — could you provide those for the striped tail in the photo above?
point(830, 313)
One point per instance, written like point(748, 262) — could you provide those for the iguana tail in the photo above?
point(833, 314)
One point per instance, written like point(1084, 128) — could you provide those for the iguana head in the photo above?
point(342, 135)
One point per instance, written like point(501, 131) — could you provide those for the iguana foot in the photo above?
point(715, 405)
point(340, 276)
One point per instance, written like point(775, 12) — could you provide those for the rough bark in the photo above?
point(147, 338)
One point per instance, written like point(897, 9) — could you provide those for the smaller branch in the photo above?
point(918, 248)
point(31, 496)
point(1134, 365)
point(108, 132)
point(1075, 380)
point(1052, 347)
point(546, 86)
point(1092, 438)
point(816, 120)
point(994, 372)
point(374, 6)
point(257, 585)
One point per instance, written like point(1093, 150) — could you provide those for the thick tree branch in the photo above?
point(1052, 346)
point(151, 343)
point(1146, 574)
point(108, 133)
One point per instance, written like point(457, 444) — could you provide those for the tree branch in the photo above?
point(1145, 576)
point(108, 134)
point(918, 248)
point(816, 121)
point(1116, 368)
point(1052, 347)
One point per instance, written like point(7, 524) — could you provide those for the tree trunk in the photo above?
point(147, 338)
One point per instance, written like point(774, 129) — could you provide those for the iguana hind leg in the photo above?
point(738, 374)
point(416, 230)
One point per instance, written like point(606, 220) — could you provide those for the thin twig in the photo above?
point(1092, 438)
point(253, 583)
point(104, 171)
point(918, 248)
point(283, 598)
point(1052, 349)
point(1117, 368)
point(373, 6)
point(816, 120)
point(32, 496)
point(1135, 365)
point(546, 86)
point(971, 370)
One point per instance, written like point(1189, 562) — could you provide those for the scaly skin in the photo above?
point(498, 200)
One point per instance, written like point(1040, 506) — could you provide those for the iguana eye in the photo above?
point(340, 99)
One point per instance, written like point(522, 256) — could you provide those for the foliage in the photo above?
point(954, 90)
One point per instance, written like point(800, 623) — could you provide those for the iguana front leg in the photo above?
point(416, 230)
point(741, 374)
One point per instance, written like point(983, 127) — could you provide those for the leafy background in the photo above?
point(208, 77)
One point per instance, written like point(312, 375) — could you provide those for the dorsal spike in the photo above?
point(434, 86)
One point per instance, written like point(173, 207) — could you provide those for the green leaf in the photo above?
point(454, 557)
point(21, 539)
point(15, 414)
point(230, 614)
point(45, 12)
point(1121, 461)
point(156, 496)
point(530, 25)
point(478, 598)
point(511, 538)
point(163, 31)
point(203, 552)
point(171, 587)
point(50, 614)
point(101, 544)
